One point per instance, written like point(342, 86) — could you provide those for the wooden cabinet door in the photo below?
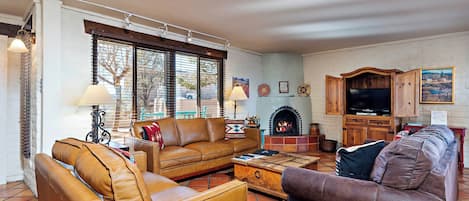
point(377, 133)
point(334, 95)
point(406, 94)
point(354, 135)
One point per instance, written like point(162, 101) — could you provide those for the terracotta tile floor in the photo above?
point(18, 191)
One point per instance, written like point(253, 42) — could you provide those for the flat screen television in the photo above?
point(376, 101)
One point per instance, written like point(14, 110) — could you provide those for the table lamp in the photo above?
point(96, 95)
point(237, 94)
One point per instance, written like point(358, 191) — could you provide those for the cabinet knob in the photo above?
point(409, 103)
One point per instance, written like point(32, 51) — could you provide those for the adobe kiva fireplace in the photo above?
point(285, 121)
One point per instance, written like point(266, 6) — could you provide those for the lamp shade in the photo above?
point(95, 95)
point(238, 93)
point(17, 45)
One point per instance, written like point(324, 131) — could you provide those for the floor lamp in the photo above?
point(96, 95)
point(237, 94)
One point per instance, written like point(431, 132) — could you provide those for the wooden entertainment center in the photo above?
point(370, 101)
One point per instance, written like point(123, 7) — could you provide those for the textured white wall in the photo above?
point(3, 103)
point(74, 75)
point(246, 65)
point(13, 150)
point(437, 51)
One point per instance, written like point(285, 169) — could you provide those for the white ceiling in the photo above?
point(301, 26)
point(15, 7)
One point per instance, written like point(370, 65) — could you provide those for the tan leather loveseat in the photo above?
point(111, 176)
point(192, 146)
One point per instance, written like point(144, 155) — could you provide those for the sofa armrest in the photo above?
point(232, 191)
point(152, 150)
point(254, 134)
point(310, 185)
point(140, 158)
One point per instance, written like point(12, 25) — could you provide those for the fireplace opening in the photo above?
point(285, 122)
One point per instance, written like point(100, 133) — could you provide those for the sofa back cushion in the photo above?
point(405, 163)
point(192, 130)
point(67, 150)
point(216, 128)
point(167, 127)
point(110, 174)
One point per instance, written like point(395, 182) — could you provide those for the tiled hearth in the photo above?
point(302, 143)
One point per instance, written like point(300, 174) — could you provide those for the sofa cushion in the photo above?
point(110, 174)
point(234, 129)
point(176, 155)
point(67, 150)
point(169, 131)
point(240, 145)
point(405, 163)
point(211, 150)
point(153, 133)
point(192, 130)
point(176, 193)
point(156, 183)
point(357, 161)
point(216, 128)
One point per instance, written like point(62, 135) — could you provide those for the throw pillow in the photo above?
point(234, 129)
point(357, 161)
point(153, 133)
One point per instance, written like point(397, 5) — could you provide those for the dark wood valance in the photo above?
point(9, 29)
point(150, 40)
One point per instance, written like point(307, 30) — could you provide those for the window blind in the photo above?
point(186, 67)
point(152, 70)
point(209, 88)
point(115, 72)
point(26, 100)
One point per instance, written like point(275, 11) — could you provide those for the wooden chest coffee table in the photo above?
point(265, 174)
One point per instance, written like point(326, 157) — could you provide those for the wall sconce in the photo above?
point(17, 45)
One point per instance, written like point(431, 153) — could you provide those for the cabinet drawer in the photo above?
point(380, 122)
point(258, 177)
point(355, 121)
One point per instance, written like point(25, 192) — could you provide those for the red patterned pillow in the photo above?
point(153, 132)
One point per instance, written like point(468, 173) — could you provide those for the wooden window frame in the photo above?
point(140, 40)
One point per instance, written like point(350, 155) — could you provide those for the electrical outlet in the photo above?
point(466, 85)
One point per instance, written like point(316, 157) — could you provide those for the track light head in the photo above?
point(127, 22)
point(227, 44)
point(189, 36)
point(164, 30)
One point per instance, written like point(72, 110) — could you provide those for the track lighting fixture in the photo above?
point(227, 44)
point(127, 22)
point(164, 30)
point(189, 36)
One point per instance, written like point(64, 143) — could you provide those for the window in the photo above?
point(151, 85)
point(209, 88)
point(115, 72)
point(186, 85)
point(150, 82)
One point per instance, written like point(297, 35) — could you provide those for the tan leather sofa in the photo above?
point(192, 146)
point(110, 176)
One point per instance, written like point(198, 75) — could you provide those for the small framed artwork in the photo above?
point(283, 87)
point(437, 85)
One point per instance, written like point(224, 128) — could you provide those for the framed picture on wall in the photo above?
point(243, 82)
point(283, 87)
point(437, 85)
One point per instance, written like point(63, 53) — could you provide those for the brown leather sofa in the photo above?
point(106, 175)
point(192, 146)
point(420, 167)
